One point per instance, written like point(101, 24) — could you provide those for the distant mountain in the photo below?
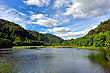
point(98, 37)
point(15, 33)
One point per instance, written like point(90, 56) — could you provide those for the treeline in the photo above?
point(18, 36)
point(98, 37)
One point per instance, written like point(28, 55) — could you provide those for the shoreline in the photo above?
point(38, 47)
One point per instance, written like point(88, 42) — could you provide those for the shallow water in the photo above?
point(51, 60)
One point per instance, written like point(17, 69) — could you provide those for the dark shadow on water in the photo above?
point(103, 58)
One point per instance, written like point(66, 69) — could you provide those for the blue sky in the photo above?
point(64, 18)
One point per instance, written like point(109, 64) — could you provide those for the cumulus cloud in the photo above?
point(66, 20)
point(84, 8)
point(44, 21)
point(59, 30)
point(76, 34)
point(39, 3)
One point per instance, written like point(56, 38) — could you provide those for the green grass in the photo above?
point(80, 47)
point(27, 47)
point(63, 46)
point(92, 48)
point(6, 67)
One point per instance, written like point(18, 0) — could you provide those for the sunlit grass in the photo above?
point(27, 47)
point(38, 47)
point(82, 47)
point(63, 46)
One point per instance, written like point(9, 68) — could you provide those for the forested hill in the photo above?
point(98, 37)
point(103, 27)
point(14, 33)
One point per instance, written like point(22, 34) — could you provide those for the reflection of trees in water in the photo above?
point(103, 58)
point(6, 67)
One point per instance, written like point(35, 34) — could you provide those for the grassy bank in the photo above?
point(63, 46)
point(92, 48)
point(28, 47)
point(81, 47)
point(35, 47)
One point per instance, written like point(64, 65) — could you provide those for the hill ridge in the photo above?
point(17, 34)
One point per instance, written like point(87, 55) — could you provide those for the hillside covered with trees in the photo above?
point(13, 34)
point(98, 37)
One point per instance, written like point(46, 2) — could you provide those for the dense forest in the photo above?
point(12, 34)
point(98, 37)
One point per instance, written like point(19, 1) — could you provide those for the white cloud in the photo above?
point(8, 14)
point(84, 8)
point(30, 12)
point(42, 29)
point(18, 19)
point(88, 8)
point(56, 15)
point(19, 12)
point(69, 38)
point(66, 20)
point(39, 3)
point(59, 3)
point(43, 32)
point(44, 21)
point(59, 30)
point(27, 22)
point(76, 34)
point(12, 15)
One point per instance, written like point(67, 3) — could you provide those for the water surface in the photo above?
point(52, 60)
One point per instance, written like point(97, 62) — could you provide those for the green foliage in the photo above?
point(98, 37)
point(6, 67)
point(99, 40)
point(49, 38)
point(5, 43)
point(20, 36)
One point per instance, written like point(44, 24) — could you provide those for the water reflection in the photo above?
point(51, 60)
point(102, 58)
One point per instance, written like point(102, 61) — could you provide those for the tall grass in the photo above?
point(28, 47)
point(80, 47)
point(6, 67)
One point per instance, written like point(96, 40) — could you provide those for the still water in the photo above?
point(52, 60)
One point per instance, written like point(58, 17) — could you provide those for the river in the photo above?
point(52, 60)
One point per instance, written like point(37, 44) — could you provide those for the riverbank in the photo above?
point(36, 47)
point(27, 47)
point(82, 47)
